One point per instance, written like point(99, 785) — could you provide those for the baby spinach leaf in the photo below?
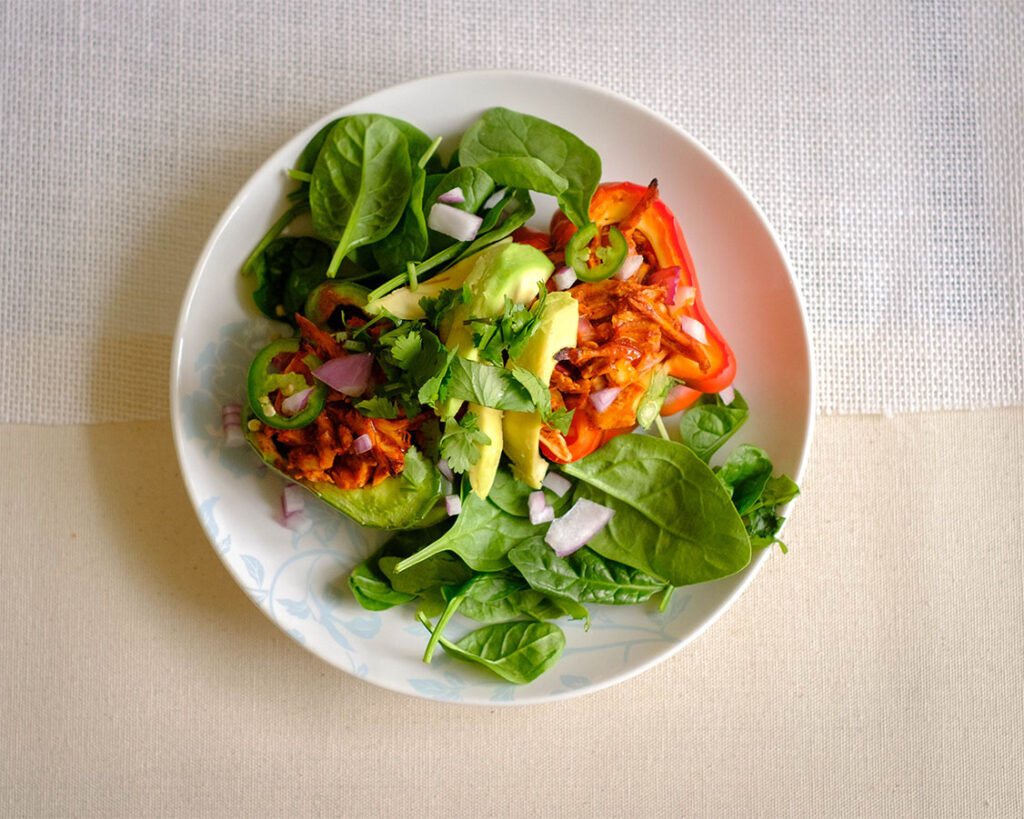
point(513, 496)
point(518, 652)
point(441, 570)
point(408, 241)
point(527, 152)
point(710, 423)
point(745, 474)
point(286, 272)
point(482, 536)
point(673, 518)
point(372, 589)
point(583, 576)
point(361, 182)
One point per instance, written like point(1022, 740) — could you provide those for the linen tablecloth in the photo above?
point(875, 670)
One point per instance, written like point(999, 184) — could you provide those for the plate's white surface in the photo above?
point(747, 289)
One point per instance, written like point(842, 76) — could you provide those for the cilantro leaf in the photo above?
point(488, 386)
point(405, 348)
point(378, 407)
point(560, 419)
point(437, 309)
point(461, 442)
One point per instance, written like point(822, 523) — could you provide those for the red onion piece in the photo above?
point(297, 402)
point(629, 267)
point(584, 330)
point(602, 399)
point(453, 504)
point(576, 527)
point(667, 277)
point(536, 502)
point(562, 355)
point(728, 395)
point(348, 374)
point(557, 483)
point(444, 469)
point(675, 392)
point(495, 198)
point(453, 197)
point(564, 278)
point(362, 444)
point(686, 295)
point(545, 515)
point(233, 435)
point(292, 499)
point(453, 222)
point(297, 522)
point(694, 329)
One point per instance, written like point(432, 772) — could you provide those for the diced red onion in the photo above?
point(667, 277)
point(233, 435)
point(453, 197)
point(602, 399)
point(564, 278)
point(362, 444)
point(536, 502)
point(348, 374)
point(562, 355)
point(545, 515)
point(584, 330)
point(297, 402)
point(453, 222)
point(694, 329)
point(577, 527)
point(686, 295)
point(231, 422)
point(453, 504)
point(292, 499)
point(495, 197)
point(297, 522)
point(444, 469)
point(557, 483)
point(728, 395)
point(629, 267)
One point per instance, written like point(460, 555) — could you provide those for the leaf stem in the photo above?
point(282, 222)
point(661, 428)
point(435, 634)
point(666, 598)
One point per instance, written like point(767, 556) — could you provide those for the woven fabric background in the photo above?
point(883, 140)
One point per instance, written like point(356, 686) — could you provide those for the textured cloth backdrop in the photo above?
point(883, 140)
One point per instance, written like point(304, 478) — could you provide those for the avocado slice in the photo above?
point(511, 271)
point(521, 430)
point(481, 474)
point(404, 303)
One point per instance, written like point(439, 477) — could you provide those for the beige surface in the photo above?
point(875, 670)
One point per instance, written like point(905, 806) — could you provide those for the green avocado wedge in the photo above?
point(411, 500)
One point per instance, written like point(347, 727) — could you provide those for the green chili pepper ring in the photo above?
point(577, 254)
point(261, 383)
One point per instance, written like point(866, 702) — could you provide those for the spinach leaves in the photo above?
point(360, 183)
point(526, 152)
point(673, 516)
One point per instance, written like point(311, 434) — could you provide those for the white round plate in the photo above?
point(299, 580)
